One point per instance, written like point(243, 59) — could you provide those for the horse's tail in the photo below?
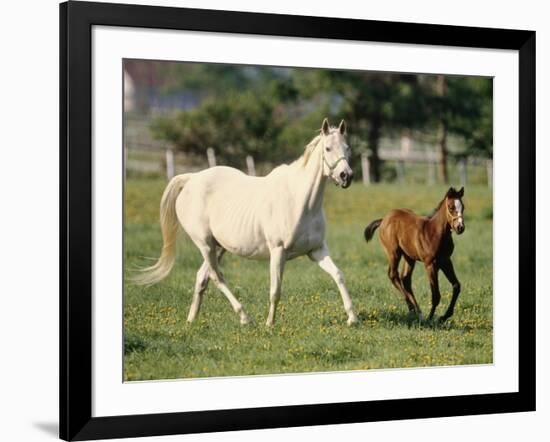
point(369, 230)
point(169, 227)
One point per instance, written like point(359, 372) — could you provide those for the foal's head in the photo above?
point(455, 209)
point(336, 154)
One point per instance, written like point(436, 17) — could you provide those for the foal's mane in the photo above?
point(434, 211)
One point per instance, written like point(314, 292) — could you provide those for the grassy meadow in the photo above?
point(310, 333)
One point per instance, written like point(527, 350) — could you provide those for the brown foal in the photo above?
point(426, 239)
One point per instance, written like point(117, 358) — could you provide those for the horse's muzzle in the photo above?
point(346, 179)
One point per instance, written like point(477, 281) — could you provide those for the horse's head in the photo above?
point(455, 209)
point(336, 154)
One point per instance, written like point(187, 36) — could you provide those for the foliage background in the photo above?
point(271, 112)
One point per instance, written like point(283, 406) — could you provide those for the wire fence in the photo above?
point(145, 156)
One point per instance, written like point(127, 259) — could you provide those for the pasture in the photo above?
point(310, 333)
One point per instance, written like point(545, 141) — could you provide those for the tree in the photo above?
point(463, 106)
point(271, 113)
point(369, 101)
point(470, 113)
point(441, 142)
point(235, 125)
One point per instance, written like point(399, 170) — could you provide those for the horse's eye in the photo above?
point(327, 149)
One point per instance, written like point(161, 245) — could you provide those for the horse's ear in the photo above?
point(450, 192)
point(461, 192)
point(325, 128)
point(342, 128)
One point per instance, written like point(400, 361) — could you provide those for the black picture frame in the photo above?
point(76, 21)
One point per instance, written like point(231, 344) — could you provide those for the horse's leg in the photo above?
point(449, 271)
point(406, 280)
point(209, 254)
point(201, 283)
point(393, 275)
point(276, 267)
point(431, 271)
point(322, 258)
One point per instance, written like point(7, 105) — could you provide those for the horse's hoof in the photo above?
point(246, 320)
point(352, 320)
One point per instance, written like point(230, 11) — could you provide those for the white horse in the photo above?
point(279, 216)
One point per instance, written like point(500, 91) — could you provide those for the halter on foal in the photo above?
point(429, 240)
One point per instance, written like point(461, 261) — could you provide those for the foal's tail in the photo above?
point(169, 226)
point(369, 230)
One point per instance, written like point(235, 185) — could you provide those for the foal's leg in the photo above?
point(393, 275)
point(321, 256)
point(406, 280)
point(431, 271)
point(276, 266)
point(209, 254)
point(201, 283)
point(449, 271)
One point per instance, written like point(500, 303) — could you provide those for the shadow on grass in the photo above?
point(401, 318)
point(133, 343)
point(411, 320)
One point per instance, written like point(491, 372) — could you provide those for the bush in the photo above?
point(235, 125)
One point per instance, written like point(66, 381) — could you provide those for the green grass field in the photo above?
point(310, 333)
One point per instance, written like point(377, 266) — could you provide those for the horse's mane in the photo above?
point(303, 160)
point(308, 151)
point(434, 211)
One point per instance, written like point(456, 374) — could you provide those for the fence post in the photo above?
point(250, 165)
point(170, 164)
point(125, 161)
point(365, 168)
point(462, 165)
point(400, 170)
point(211, 156)
point(490, 173)
point(406, 143)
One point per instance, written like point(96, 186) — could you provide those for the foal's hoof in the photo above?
point(412, 316)
point(352, 320)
